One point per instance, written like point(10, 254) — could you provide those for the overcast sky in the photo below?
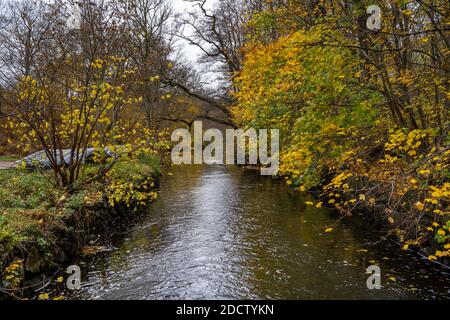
point(182, 6)
point(190, 52)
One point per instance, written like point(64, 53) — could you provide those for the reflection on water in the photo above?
point(222, 233)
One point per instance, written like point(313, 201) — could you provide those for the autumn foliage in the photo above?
point(364, 114)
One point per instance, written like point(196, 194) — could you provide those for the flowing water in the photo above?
point(221, 232)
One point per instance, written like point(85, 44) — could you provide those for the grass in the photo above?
point(25, 198)
point(31, 208)
point(8, 158)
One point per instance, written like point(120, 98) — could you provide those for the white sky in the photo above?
point(191, 53)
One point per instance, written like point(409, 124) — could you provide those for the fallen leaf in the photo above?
point(43, 296)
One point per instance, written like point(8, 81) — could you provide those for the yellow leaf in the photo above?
point(391, 220)
point(328, 230)
point(43, 296)
point(420, 206)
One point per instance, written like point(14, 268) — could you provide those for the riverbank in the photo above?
point(352, 193)
point(42, 228)
point(410, 208)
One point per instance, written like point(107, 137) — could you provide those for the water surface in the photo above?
point(221, 232)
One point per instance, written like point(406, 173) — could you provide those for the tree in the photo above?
point(364, 114)
point(70, 92)
point(149, 46)
point(220, 34)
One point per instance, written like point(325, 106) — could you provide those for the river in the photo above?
point(222, 232)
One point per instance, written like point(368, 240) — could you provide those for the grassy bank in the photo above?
point(42, 227)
